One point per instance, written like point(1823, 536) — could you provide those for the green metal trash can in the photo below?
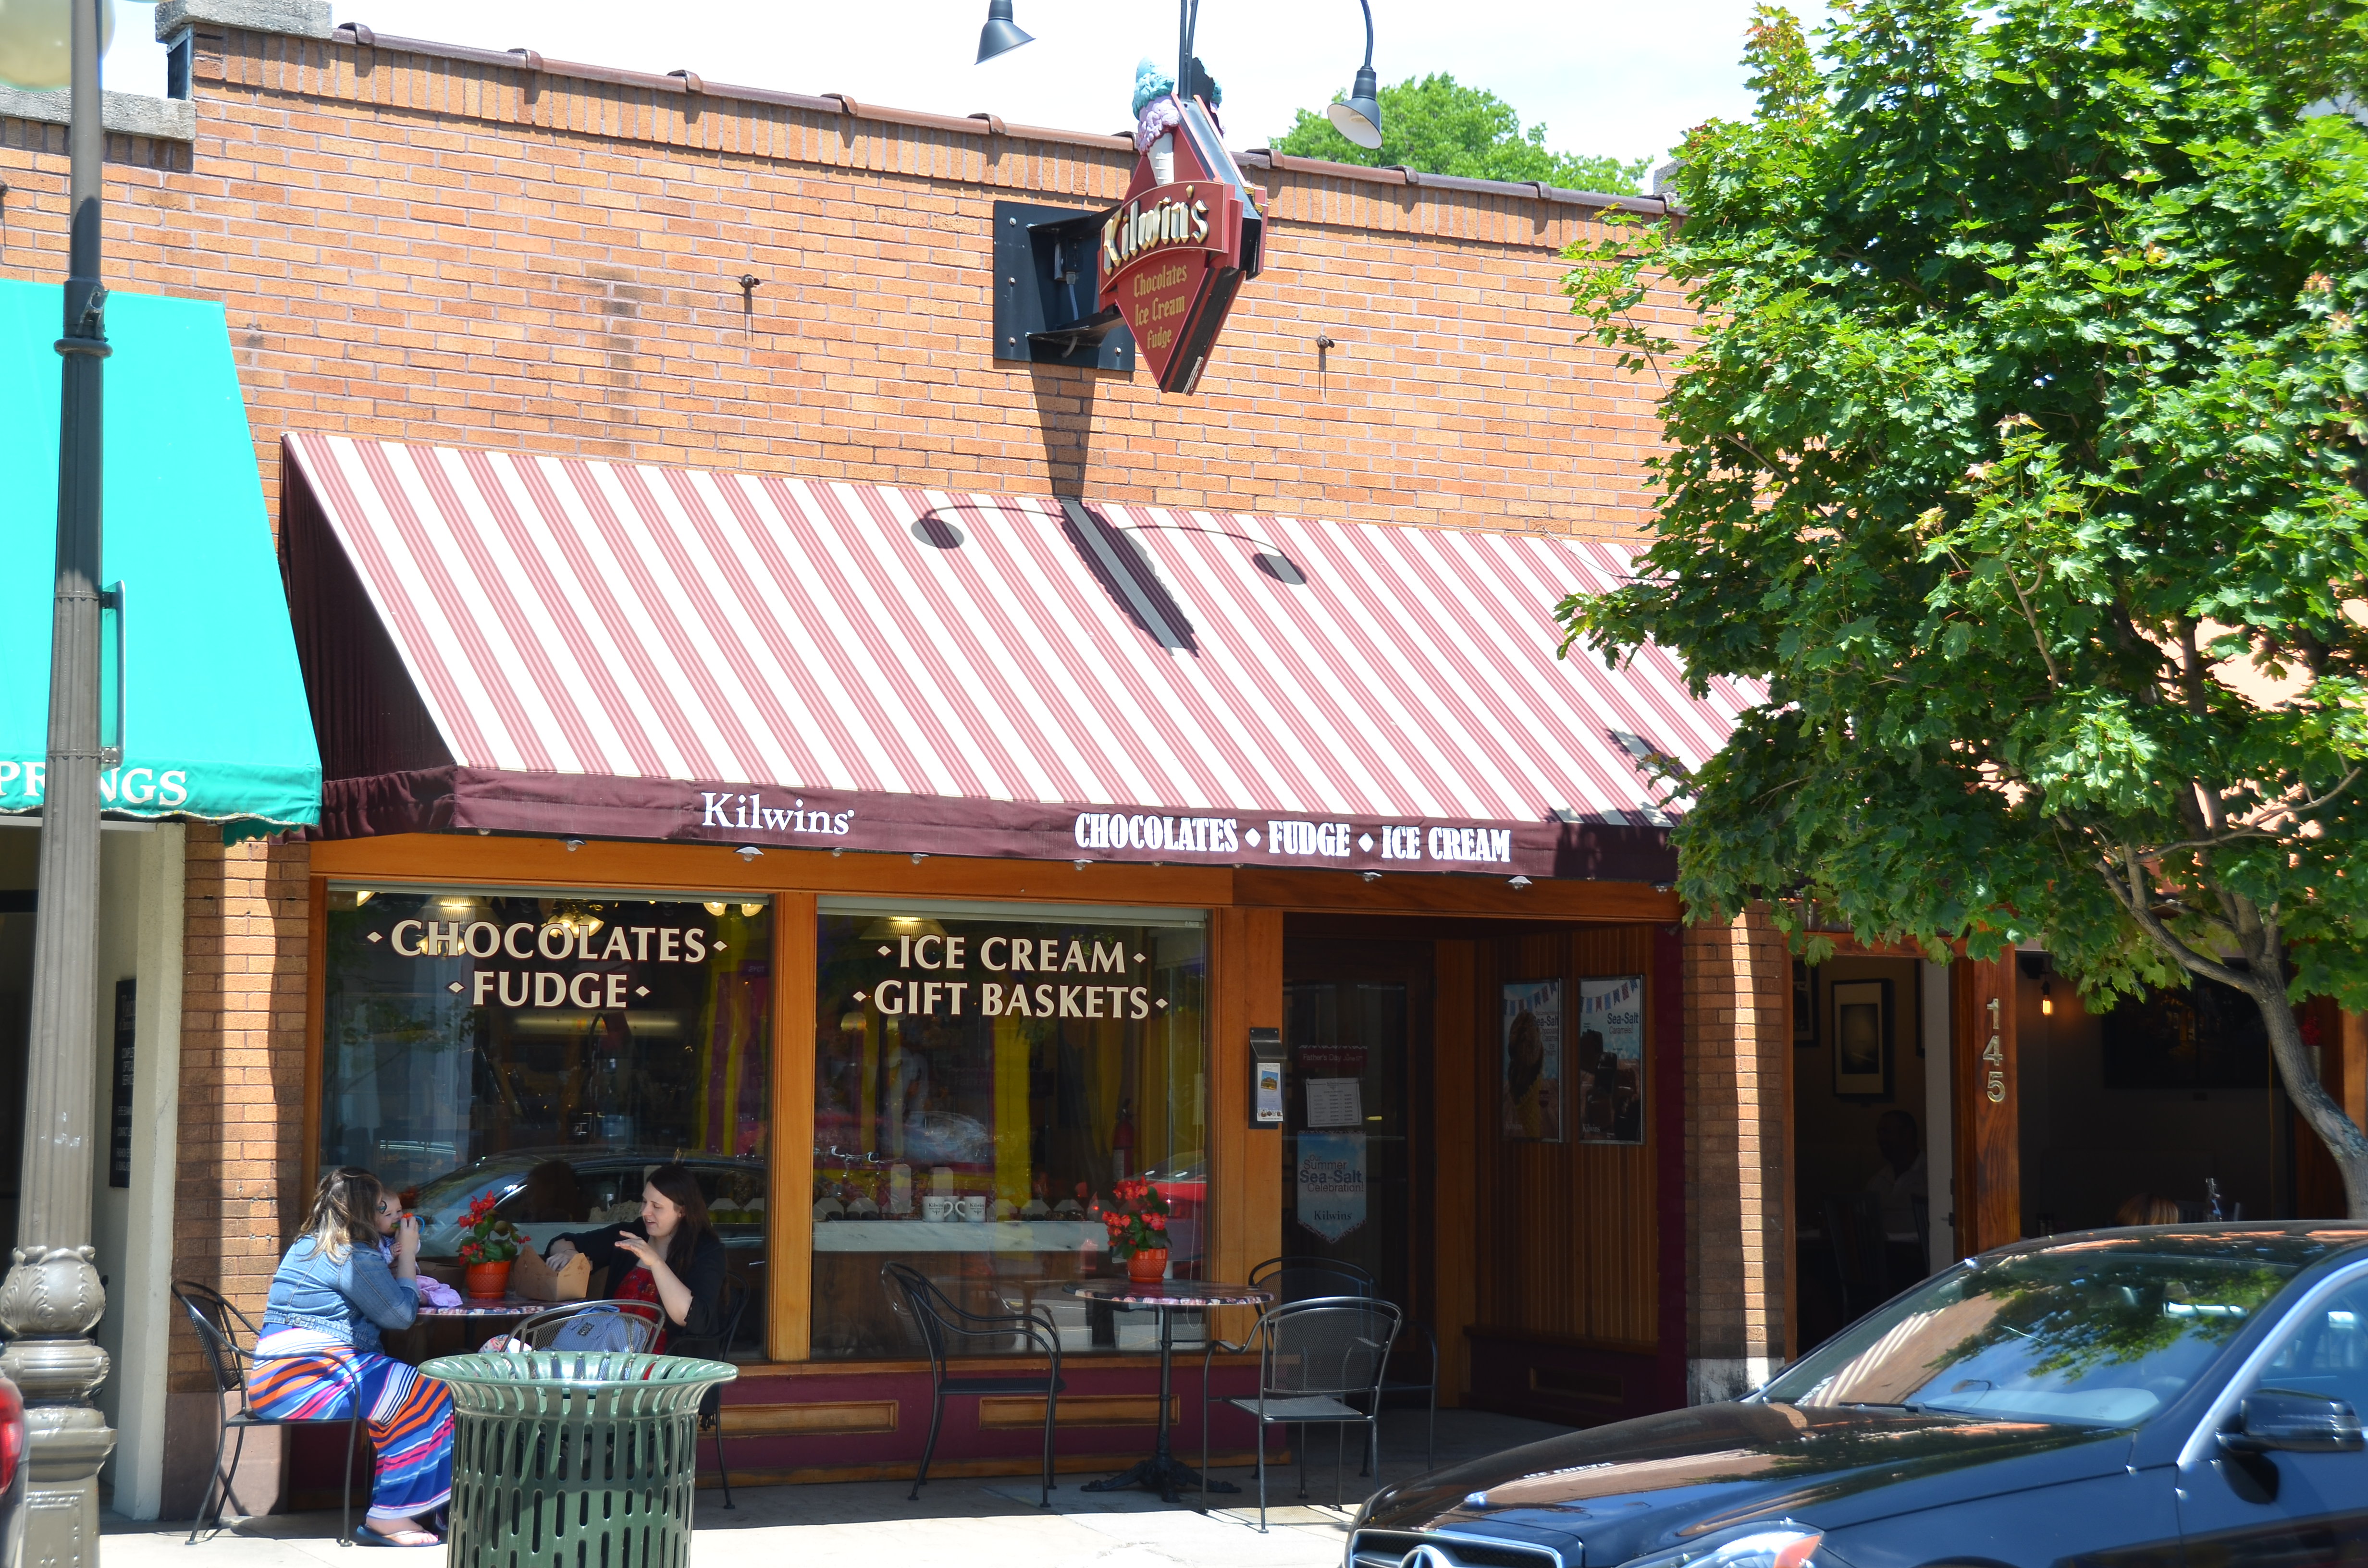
point(567, 1459)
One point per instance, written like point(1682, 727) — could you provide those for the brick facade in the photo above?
point(445, 245)
point(435, 248)
point(241, 1116)
point(1738, 1115)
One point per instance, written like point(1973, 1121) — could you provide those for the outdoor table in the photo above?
point(414, 1345)
point(1163, 1472)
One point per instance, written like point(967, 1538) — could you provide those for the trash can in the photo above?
point(568, 1458)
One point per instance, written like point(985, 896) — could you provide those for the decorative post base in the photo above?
point(50, 1302)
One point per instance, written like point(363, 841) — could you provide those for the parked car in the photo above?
point(2150, 1396)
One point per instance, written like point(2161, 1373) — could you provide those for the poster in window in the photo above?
point(1610, 1063)
point(1532, 1047)
point(1331, 1183)
point(1861, 1037)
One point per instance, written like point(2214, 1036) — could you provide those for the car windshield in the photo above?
point(2100, 1334)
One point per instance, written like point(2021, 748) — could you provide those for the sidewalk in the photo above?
point(979, 1524)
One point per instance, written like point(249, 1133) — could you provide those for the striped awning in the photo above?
point(530, 643)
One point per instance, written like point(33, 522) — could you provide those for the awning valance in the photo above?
point(214, 719)
point(541, 645)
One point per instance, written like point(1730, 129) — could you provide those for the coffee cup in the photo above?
point(936, 1208)
point(972, 1206)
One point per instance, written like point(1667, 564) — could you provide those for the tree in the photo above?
point(2018, 452)
point(1440, 127)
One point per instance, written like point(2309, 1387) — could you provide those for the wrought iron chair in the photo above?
point(710, 1408)
point(214, 1318)
point(1304, 1279)
point(1862, 1252)
point(1315, 1357)
point(640, 1321)
point(935, 1318)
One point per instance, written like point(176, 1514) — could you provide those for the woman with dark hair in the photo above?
point(318, 1359)
point(670, 1256)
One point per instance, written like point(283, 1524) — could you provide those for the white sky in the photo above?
point(1621, 79)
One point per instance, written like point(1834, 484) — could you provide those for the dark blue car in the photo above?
point(2182, 1396)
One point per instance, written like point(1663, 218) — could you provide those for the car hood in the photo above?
point(1630, 1487)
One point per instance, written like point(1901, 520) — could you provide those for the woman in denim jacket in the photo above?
point(319, 1356)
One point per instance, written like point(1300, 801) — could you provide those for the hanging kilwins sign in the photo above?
point(1176, 252)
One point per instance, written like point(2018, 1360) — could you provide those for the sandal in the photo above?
point(365, 1536)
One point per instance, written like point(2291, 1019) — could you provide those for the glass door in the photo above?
point(1351, 1137)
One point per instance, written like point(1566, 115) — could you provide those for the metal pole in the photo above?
point(51, 1298)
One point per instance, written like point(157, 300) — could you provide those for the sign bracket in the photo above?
point(1047, 283)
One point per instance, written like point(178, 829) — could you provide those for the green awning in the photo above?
point(215, 725)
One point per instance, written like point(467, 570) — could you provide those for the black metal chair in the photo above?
point(1862, 1251)
point(213, 1318)
point(641, 1320)
point(710, 1408)
point(1315, 1359)
point(936, 1318)
point(1305, 1278)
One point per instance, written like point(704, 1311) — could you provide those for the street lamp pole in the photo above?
point(51, 1298)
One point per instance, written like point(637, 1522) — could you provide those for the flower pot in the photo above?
point(1148, 1266)
point(489, 1280)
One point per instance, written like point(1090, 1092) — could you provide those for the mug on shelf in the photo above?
point(936, 1208)
point(972, 1206)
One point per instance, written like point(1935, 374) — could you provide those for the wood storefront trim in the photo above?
point(1019, 1411)
point(839, 1417)
point(788, 1266)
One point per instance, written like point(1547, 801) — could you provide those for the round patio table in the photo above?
point(1163, 1472)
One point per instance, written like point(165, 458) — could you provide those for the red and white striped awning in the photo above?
point(633, 651)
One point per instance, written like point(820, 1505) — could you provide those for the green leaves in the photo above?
point(1439, 126)
point(2021, 454)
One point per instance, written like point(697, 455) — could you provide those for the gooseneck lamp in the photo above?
point(1359, 116)
point(1001, 33)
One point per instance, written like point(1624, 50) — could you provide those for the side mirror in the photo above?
point(2294, 1422)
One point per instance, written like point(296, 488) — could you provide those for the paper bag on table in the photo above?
point(536, 1280)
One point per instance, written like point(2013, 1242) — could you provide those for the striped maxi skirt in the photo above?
point(300, 1374)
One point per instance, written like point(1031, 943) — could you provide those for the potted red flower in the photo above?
point(488, 1246)
point(1137, 1218)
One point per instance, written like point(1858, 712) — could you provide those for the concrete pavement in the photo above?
point(975, 1523)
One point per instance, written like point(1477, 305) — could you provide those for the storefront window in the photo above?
point(984, 1074)
point(550, 1048)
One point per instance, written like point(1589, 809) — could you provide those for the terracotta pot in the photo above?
point(489, 1280)
point(1148, 1266)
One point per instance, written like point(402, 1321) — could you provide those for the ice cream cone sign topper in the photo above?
point(1176, 251)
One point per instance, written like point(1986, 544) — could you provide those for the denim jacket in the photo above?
point(352, 1296)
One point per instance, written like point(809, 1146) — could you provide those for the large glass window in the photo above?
point(984, 1074)
point(550, 1048)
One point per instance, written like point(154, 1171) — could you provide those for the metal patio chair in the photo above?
point(936, 1318)
point(213, 1318)
point(1304, 1279)
point(1314, 1358)
point(710, 1408)
point(640, 1319)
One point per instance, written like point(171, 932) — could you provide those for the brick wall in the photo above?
point(242, 1074)
point(1738, 1117)
point(442, 249)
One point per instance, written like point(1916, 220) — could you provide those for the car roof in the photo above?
point(2293, 1244)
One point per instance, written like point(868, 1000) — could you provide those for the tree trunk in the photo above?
point(2298, 1071)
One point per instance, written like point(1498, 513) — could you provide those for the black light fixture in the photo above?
point(1001, 33)
point(1359, 116)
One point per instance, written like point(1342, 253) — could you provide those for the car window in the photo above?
point(2325, 1350)
point(2100, 1335)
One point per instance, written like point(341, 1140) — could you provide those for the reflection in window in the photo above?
point(549, 1049)
point(983, 1075)
point(2101, 1334)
